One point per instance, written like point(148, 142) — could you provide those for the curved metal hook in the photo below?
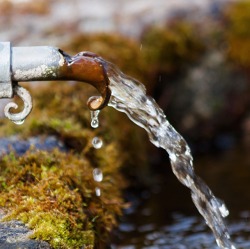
point(18, 118)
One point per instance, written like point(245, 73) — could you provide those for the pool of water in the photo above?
point(182, 232)
point(164, 216)
point(142, 229)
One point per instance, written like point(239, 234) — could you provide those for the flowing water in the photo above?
point(129, 96)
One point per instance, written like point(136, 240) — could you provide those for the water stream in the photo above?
point(129, 96)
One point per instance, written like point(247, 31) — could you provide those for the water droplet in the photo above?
point(97, 175)
point(18, 122)
point(94, 119)
point(97, 142)
point(97, 191)
point(94, 123)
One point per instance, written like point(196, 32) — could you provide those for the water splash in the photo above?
point(129, 96)
point(94, 118)
point(97, 143)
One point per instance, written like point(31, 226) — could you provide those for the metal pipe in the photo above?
point(43, 63)
point(36, 63)
point(6, 90)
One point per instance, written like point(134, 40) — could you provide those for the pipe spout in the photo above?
point(45, 63)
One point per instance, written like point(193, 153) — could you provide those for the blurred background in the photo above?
point(194, 58)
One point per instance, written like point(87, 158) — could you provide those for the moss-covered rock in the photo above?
point(54, 194)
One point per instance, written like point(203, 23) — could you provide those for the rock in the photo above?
point(20, 146)
point(15, 235)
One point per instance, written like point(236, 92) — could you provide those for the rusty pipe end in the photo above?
point(90, 68)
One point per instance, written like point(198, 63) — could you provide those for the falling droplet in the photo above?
point(97, 191)
point(94, 123)
point(97, 175)
point(94, 118)
point(97, 142)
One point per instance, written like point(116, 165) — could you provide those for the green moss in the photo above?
point(56, 228)
point(54, 194)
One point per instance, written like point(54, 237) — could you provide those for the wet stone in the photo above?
point(15, 235)
point(21, 146)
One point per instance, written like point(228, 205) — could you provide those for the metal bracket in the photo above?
point(18, 118)
point(8, 88)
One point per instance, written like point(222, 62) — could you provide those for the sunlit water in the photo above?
point(129, 96)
